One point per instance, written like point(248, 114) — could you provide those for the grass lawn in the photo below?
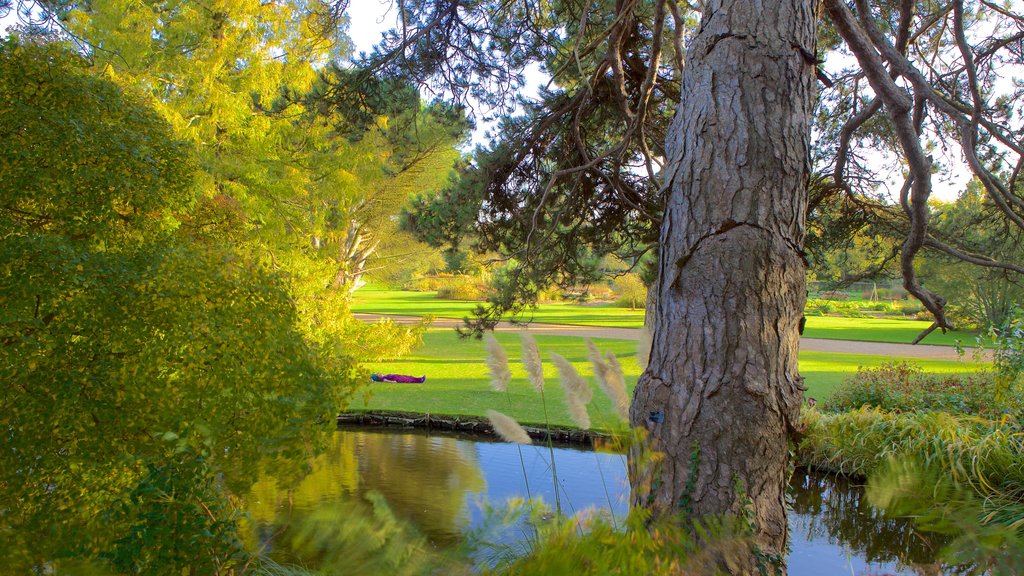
point(457, 377)
point(379, 301)
point(376, 300)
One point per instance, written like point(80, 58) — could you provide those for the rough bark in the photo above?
point(721, 393)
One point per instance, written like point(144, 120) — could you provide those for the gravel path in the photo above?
point(916, 351)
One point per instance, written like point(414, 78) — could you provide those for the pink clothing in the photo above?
point(399, 378)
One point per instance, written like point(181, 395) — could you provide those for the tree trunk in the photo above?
point(353, 254)
point(721, 394)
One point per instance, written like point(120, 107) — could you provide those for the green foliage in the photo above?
point(631, 291)
point(981, 297)
point(462, 288)
point(1008, 351)
point(981, 454)
point(986, 536)
point(458, 287)
point(81, 156)
point(593, 545)
point(943, 450)
point(176, 516)
point(901, 386)
point(859, 308)
point(147, 375)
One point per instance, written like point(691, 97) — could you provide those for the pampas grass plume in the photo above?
point(571, 380)
point(497, 362)
point(507, 428)
point(532, 363)
point(577, 392)
point(643, 348)
point(600, 368)
point(615, 386)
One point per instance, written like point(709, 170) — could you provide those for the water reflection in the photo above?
point(830, 514)
point(437, 484)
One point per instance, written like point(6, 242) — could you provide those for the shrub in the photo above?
point(820, 307)
point(631, 290)
point(462, 288)
point(429, 283)
point(452, 286)
point(911, 308)
point(601, 293)
point(971, 450)
point(901, 386)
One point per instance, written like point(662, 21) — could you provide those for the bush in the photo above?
point(985, 453)
point(818, 307)
point(901, 386)
point(911, 308)
point(462, 288)
point(631, 290)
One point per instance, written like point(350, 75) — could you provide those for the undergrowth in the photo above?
point(904, 387)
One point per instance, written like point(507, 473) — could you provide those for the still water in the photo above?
point(439, 484)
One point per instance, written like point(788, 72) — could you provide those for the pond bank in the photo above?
point(467, 424)
point(477, 426)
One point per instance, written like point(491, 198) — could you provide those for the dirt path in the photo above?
point(918, 351)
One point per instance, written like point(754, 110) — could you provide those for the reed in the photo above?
point(577, 391)
point(497, 363)
point(985, 455)
point(532, 362)
point(643, 348)
point(614, 386)
point(508, 428)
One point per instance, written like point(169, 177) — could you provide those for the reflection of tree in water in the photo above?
point(425, 479)
point(836, 508)
point(367, 480)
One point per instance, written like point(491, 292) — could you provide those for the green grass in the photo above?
point(458, 381)
point(376, 300)
point(881, 330)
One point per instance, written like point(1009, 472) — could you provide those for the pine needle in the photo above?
point(507, 428)
point(497, 362)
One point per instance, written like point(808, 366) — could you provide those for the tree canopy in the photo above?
point(176, 182)
point(913, 88)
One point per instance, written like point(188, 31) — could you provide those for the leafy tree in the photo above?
point(284, 176)
point(982, 297)
point(148, 374)
point(413, 148)
point(631, 290)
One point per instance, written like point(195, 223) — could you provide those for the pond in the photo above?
point(438, 483)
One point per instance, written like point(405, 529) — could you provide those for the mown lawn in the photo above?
point(375, 300)
point(458, 381)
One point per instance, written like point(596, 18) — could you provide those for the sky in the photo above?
point(368, 19)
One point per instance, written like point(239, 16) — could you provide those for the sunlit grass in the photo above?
point(379, 301)
point(458, 380)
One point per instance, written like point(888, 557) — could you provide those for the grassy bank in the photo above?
point(379, 301)
point(457, 378)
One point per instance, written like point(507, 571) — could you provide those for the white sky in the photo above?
point(370, 18)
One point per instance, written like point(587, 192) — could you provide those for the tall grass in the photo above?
point(981, 457)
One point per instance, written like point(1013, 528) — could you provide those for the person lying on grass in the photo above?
point(399, 378)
